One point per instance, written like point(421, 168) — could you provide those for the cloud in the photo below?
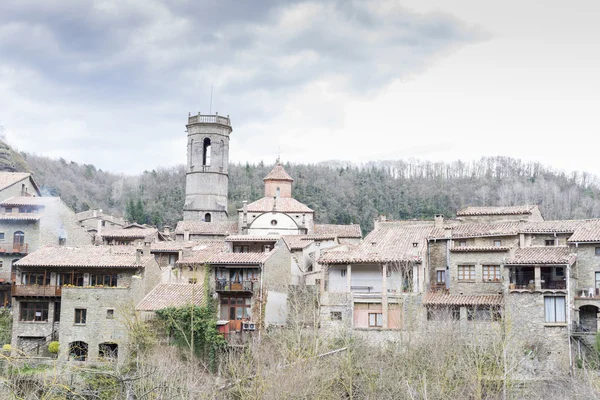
point(112, 81)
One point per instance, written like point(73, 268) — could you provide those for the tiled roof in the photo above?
point(207, 228)
point(28, 201)
point(176, 246)
point(281, 204)
point(542, 255)
point(434, 298)
point(472, 249)
point(468, 230)
point(278, 174)
point(558, 226)
point(89, 214)
point(85, 256)
point(167, 295)
point(385, 244)
point(511, 210)
point(295, 242)
point(342, 231)
point(128, 232)
point(216, 255)
point(588, 232)
point(324, 236)
point(10, 178)
point(252, 238)
point(19, 217)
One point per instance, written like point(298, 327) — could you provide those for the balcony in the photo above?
point(232, 286)
point(591, 293)
point(16, 248)
point(36, 291)
point(209, 119)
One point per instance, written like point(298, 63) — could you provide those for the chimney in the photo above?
point(167, 231)
point(138, 256)
point(439, 220)
point(95, 213)
point(146, 248)
point(186, 235)
point(245, 213)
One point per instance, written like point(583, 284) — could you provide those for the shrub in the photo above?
point(53, 347)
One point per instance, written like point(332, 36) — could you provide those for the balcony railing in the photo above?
point(229, 286)
point(209, 119)
point(22, 248)
point(589, 293)
point(36, 291)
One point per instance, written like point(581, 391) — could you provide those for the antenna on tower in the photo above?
point(211, 91)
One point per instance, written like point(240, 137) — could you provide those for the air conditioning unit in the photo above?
point(249, 326)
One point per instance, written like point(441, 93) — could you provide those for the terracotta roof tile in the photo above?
point(342, 231)
point(207, 228)
point(295, 242)
point(217, 255)
point(509, 210)
point(542, 255)
point(28, 201)
point(252, 238)
point(385, 244)
point(19, 217)
point(472, 249)
point(167, 295)
point(176, 246)
point(588, 232)
point(558, 226)
point(278, 174)
point(128, 232)
point(468, 230)
point(85, 256)
point(434, 298)
point(10, 178)
point(89, 214)
point(281, 204)
point(323, 236)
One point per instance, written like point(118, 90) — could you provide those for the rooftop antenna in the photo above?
point(211, 91)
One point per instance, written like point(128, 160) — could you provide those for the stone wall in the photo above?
point(477, 259)
point(16, 189)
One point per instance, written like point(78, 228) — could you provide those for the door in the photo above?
point(18, 241)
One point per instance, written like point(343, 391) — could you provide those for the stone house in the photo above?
point(80, 296)
point(17, 184)
point(132, 234)
point(199, 230)
point(28, 223)
point(94, 221)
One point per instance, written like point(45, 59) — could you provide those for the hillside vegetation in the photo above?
point(339, 192)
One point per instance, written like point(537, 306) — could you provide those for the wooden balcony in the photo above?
point(231, 286)
point(16, 248)
point(35, 291)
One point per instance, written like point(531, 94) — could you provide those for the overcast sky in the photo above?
point(111, 82)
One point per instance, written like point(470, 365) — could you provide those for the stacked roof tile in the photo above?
point(167, 295)
point(176, 246)
point(85, 256)
point(128, 233)
point(207, 228)
point(341, 231)
point(433, 298)
point(280, 204)
point(557, 226)
point(252, 238)
point(468, 230)
point(473, 249)
point(18, 201)
point(19, 217)
point(542, 255)
point(510, 210)
point(295, 242)
point(588, 232)
point(278, 174)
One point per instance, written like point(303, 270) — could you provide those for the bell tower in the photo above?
point(207, 179)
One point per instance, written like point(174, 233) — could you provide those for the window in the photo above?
point(172, 259)
point(206, 152)
point(443, 313)
point(103, 223)
point(555, 309)
point(497, 243)
point(462, 243)
point(375, 320)
point(62, 241)
point(550, 242)
point(597, 280)
point(484, 313)
point(207, 217)
point(235, 308)
point(193, 280)
point(37, 312)
point(1, 235)
point(277, 192)
point(466, 272)
point(266, 248)
point(18, 241)
point(103, 280)
point(273, 222)
point(343, 272)
point(598, 251)
point(336, 315)
point(80, 314)
point(491, 273)
point(415, 244)
point(70, 278)
point(35, 278)
point(241, 249)
point(110, 314)
point(440, 277)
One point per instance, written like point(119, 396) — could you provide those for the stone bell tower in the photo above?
point(207, 179)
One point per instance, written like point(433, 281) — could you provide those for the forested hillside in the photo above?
point(339, 192)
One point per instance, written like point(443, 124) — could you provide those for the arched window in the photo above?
point(277, 192)
point(108, 351)
point(206, 152)
point(78, 351)
point(207, 217)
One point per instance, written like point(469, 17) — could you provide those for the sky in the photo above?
point(111, 82)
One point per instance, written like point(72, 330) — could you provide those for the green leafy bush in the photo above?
point(53, 347)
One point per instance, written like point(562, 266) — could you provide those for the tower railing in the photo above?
point(209, 119)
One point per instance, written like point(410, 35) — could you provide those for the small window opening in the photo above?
point(550, 242)
point(206, 152)
point(277, 192)
point(343, 272)
point(207, 217)
point(336, 315)
point(110, 314)
point(274, 222)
